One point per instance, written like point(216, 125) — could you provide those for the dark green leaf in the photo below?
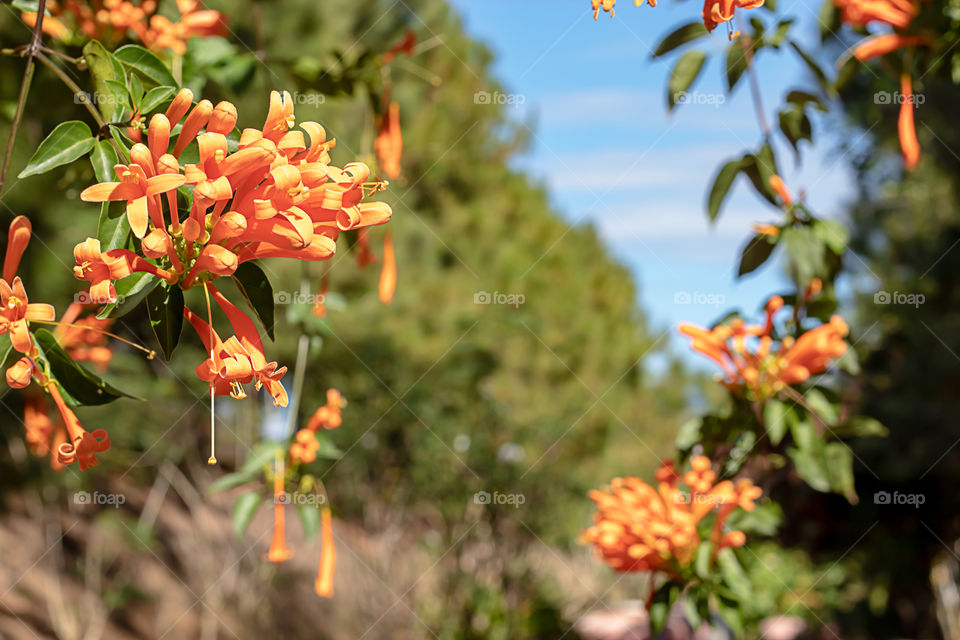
point(802, 98)
point(310, 519)
point(777, 418)
point(736, 63)
point(860, 427)
point(680, 36)
point(147, 63)
point(783, 28)
point(81, 386)
point(155, 97)
point(243, 511)
point(327, 449)
point(113, 228)
point(165, 307)
point(833, 234)
point(757, 251)
point(257, 291)
point(103, 158)
point(795, 126)
point(839, 463)
point(721, 186)
point(131, 291)
point(69, 141)
point(805, 253)
point(813, 67)
point(6, 348)
point(682, 77)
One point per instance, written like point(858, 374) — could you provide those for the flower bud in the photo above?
point(20, 373)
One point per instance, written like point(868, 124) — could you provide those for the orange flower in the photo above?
point(388, 272)
point(718, 11)
point(896, 13)
point(304, 449)
point(765, 229)
point(751, 360)
point(641, 528)
point(882, 45)
point(16, 311)
point(84, 338)
point(112, 20)
point(329, 416)
point(323, 585)
point(278, 546)
point(779, 188)
point(389, 143)
point(81, 447)
point(909, 145)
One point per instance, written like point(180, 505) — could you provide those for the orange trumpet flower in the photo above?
point(323, 586)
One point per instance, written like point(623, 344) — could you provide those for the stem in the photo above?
point(32, 51)
point(73, 86)
point(755, 87)
point(213, 430)
point(299, 367)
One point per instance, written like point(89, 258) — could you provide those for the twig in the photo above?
point(755, 86)
point(32, 51)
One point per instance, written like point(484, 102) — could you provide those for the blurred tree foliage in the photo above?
point(448, 397)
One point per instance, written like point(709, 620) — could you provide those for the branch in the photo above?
point(31, 52)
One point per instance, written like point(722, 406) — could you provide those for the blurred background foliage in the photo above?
point(449, 397)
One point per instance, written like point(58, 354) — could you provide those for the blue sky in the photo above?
point(610, 153)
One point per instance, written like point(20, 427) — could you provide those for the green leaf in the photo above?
point(327, 449)
point(113, 228)
point(702, 559)
point(811, 467)
point(733, 575)
point(69, 141)
point(860, 427)
point(165, 307)
point(757, 251)
point(833, 234)
point(262, 455)
point(736, 64)
point(131, 291)
point(813, 67)
point(764, 520)
point(79, 385)
point(255, 288)
point(231, 480)
point(136, 91)
point(310, 519)
point(824, 408)
point(243, 511)
point(103, 67)
point(803, 98)
point(777, 417)
point(147, 63)
point(805, 253)
point(6, 348)
point(795, 126)
point(688, 434)
point(839, 463)
point(682, 77)
point(721, 186)
point(155, 97)
point(783, 28)
point(120, 96)
point(103, 158)
point(680, 36)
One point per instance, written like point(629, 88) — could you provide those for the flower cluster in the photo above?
point(68, 439)
point(277, 195)
point(639, 527)
point(752, 359)
point(329, 416)
point(113, 20)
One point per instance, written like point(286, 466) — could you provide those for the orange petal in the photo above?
point(18, 239)
point(328, 557)
point(388, 272)
point(909, 144)
point(137, 215)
